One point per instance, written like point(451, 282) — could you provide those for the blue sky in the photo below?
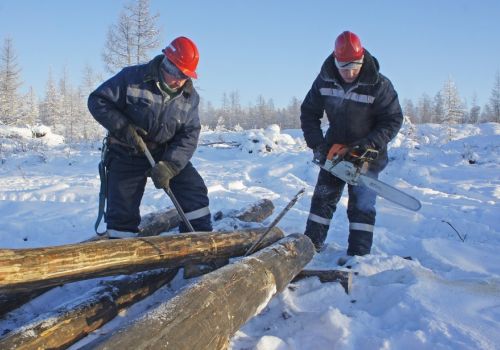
point(274, 48)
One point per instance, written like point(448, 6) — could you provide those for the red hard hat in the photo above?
point(348, 47)
point(184, 54)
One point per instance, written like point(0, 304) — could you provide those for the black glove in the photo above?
point(320, 153)
point(162, 173)
point(361, 146)
point(125, 134)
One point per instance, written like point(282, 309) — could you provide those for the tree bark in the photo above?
point(22, 270)
point(206, 314)
point(73, 321)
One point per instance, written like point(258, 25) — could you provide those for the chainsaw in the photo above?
point(351, 165)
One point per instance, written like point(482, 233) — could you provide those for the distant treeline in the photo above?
point(130, 41)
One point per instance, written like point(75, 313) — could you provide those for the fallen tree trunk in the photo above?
point(69, 323)
point(22, 270)
point(343, 277)
point(206, 314)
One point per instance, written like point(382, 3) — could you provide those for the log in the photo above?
point(75, 320)
point(205, 315)
point(343, 277)
point(151, 224)
point(255, 212)
point(22, 270)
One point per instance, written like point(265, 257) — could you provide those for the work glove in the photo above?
point(361, 146)
point(162, 173)
point(126, 135)
point(320, 153)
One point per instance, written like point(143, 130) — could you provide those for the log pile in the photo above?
point(206, 314)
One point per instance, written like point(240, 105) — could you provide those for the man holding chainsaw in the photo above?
point(158, 101)
point(364, 114)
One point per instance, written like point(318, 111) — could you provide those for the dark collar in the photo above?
point(369, 74)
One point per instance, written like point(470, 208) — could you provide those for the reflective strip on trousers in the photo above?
point(319, 219)
point(361, 227)
point(198, 213)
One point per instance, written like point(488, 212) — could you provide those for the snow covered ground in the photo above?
point(447, 297)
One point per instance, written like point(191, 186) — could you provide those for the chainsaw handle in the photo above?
point(337, 150)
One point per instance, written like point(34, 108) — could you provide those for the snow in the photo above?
point(446, 297)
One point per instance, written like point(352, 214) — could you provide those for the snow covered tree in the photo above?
point(424, 109)
point(409, 110)
point(495, 99)
point(452, 104)
point(10, 81)
point(30, 114)
point(51, 106)
point(474, 111)
point(437, 108)
point(130, 40)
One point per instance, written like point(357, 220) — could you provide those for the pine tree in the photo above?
point(495, 99)
point(452, 105)
point(130, 41)
point(10, 81)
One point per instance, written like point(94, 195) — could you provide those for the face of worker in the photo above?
point(173, 81)
point(349, 74)
point(172, 76)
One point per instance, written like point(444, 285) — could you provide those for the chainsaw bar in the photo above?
point(352, 175)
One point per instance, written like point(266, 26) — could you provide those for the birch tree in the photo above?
point(130, 40)
point(10, 81)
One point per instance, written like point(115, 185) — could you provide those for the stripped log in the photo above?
point(69, 323)
point(22, 270)
point(206, 314)
point(343, 277)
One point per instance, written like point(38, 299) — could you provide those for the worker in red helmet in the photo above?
point(159, 100)
point(363, 112)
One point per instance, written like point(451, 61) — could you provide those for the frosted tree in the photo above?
point(409, 110)
point(235, 111)
point(475, 111)
point(10, 81)
point(51, 106)
point(130, 40)
point(495, 100)
point(437, 108)
point(30, 114)
point(452, 104)
point(89, 128)
point(424, 109)
point(291, 114)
